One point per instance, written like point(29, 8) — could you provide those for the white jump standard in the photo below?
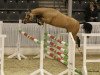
point(41, 70)
point(87, 47)
point(18, 53)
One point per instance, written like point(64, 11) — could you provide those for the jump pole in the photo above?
point(18, 53)
point(41, 70)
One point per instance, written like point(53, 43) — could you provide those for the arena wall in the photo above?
point(27, 46)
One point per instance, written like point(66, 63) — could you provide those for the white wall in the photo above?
point(11, 30)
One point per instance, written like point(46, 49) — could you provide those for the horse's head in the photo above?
point(28, 17)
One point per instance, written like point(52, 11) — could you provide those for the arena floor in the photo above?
point(27, 66)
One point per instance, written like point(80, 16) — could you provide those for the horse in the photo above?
point(53, 17)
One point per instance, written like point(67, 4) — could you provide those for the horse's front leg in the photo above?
point(40, 22)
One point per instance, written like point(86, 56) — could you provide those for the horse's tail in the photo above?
point(87, 27)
